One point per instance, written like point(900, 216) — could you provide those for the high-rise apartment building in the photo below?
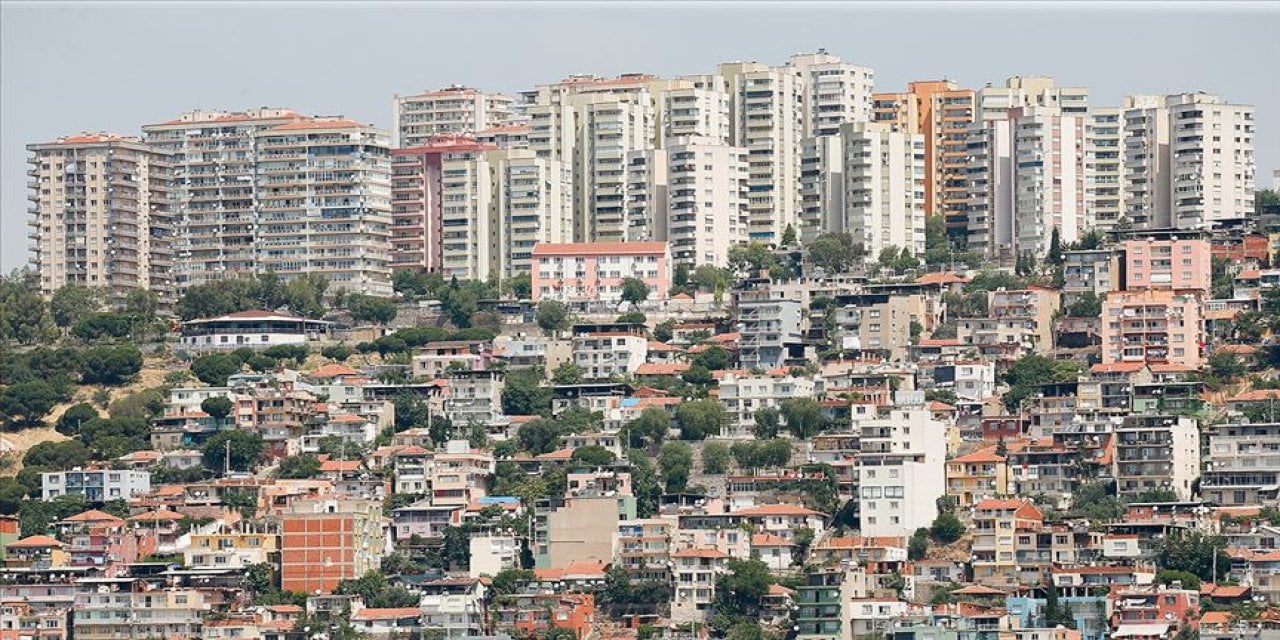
point(941, 112)
point(832, 91)
point(694, 106)
point(324, 203)
point(821, 186)
point(496, 207)
point(270, 189)
point(1025, 178)
point(1048, 154)
point(1031, 91)
point(692, 195)
point(450, 111)
point(1211, 164)
point(417, 200)
point(884, 176)
point(215, 189)
point(1146, 162)
point(1104, 168)
point(767, 115)
point(868, 181)
point(101, 208)
point(901, 471)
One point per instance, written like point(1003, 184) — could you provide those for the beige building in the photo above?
point(1103, 168)
point(768, 121)
point(1017, 322)
point(833, 92)
point(496, 207)
point(692, 195)
point(271, 189)
point(882, 322)
point(214, 189)
point(108, 614)
point(578, 529)
point(1146, 161)
point(450, 111)
point(1029, 91)
point(101, 208)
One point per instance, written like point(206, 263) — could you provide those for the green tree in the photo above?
point(336, 352)
point(715, 458)
point(57, 456)
point(1194, 552)
point(71, 303)
point(1055, 256)
point(739, 591)
point(552, 316)
point(218, 407)
point(631, 317)
point(804, 417)
point(709, 278)
point(508, 581)
point(675, 463)
point(73, 418)
point(299, 467)
point(524, 395)
point(947, 528)
point(835, 253)
point(1225, 365)
point(594, 456)
point(918, 545)
point(1094, 500)
point(700, 418)
point(242, 449)
point(767, 421)
point(753, 258)
point(142, 305)
point(634, 290)
point(27, 403)
point(24, 316)
point(567, 373)
point(520, 286)
point(213, 369)
point(1186, 578)
point(1086, 305)
point(714, 358)
point(539, 436)
point(649, 428)
point(110, 365)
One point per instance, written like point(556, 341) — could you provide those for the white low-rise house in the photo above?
point(743, 394)
point(454, 607)
point(253, 329)
point(696, 571)
point(492, 553)
point(351, 429)
point(474, 396)
point(96, 485)
point(973, 380)
point(603, 351)
point(782, 520)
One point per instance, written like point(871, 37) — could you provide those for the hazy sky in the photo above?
point(116, 66)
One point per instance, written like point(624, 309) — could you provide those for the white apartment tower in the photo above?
point(1025, 178)
point(324, 203)
point(215, 186)
point(1048, 177)
point(691, 195)
point(821, 187)
point(453, 110)
point(884, 176)
point(101, 217)
point(1146, 162)
point(694, 106)
point(1031, 91)
point(833, 92)
point(767, 115)
point(1104, 168)
point(1211, 164)
point(496, 207)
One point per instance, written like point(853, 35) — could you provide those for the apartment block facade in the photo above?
point(1154, 327)
point(273, 190)
point(595, 271)
point(453, 110)
point(101, 214)
point(417, 200)
point(325, 541)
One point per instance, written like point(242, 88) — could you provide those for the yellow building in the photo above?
point(981, 474)
point(234, 547)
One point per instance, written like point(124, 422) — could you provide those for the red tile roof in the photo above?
point(777, 510)
point(662, 368)
point(982, 455)
point(387, 614)
point(336, 123)
point(699, 553)
point(93, 515)
point(333, 371)
point(945, 277)
point(34, 542)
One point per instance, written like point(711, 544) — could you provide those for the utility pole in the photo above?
point(226, 461)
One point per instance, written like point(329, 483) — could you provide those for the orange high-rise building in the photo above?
point(942, 112)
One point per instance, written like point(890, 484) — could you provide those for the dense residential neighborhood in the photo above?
point(763, 353)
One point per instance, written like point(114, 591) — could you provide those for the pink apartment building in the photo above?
point(1153, 327)
point(417, 202)
point(595, 270)
point(1177, 264)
